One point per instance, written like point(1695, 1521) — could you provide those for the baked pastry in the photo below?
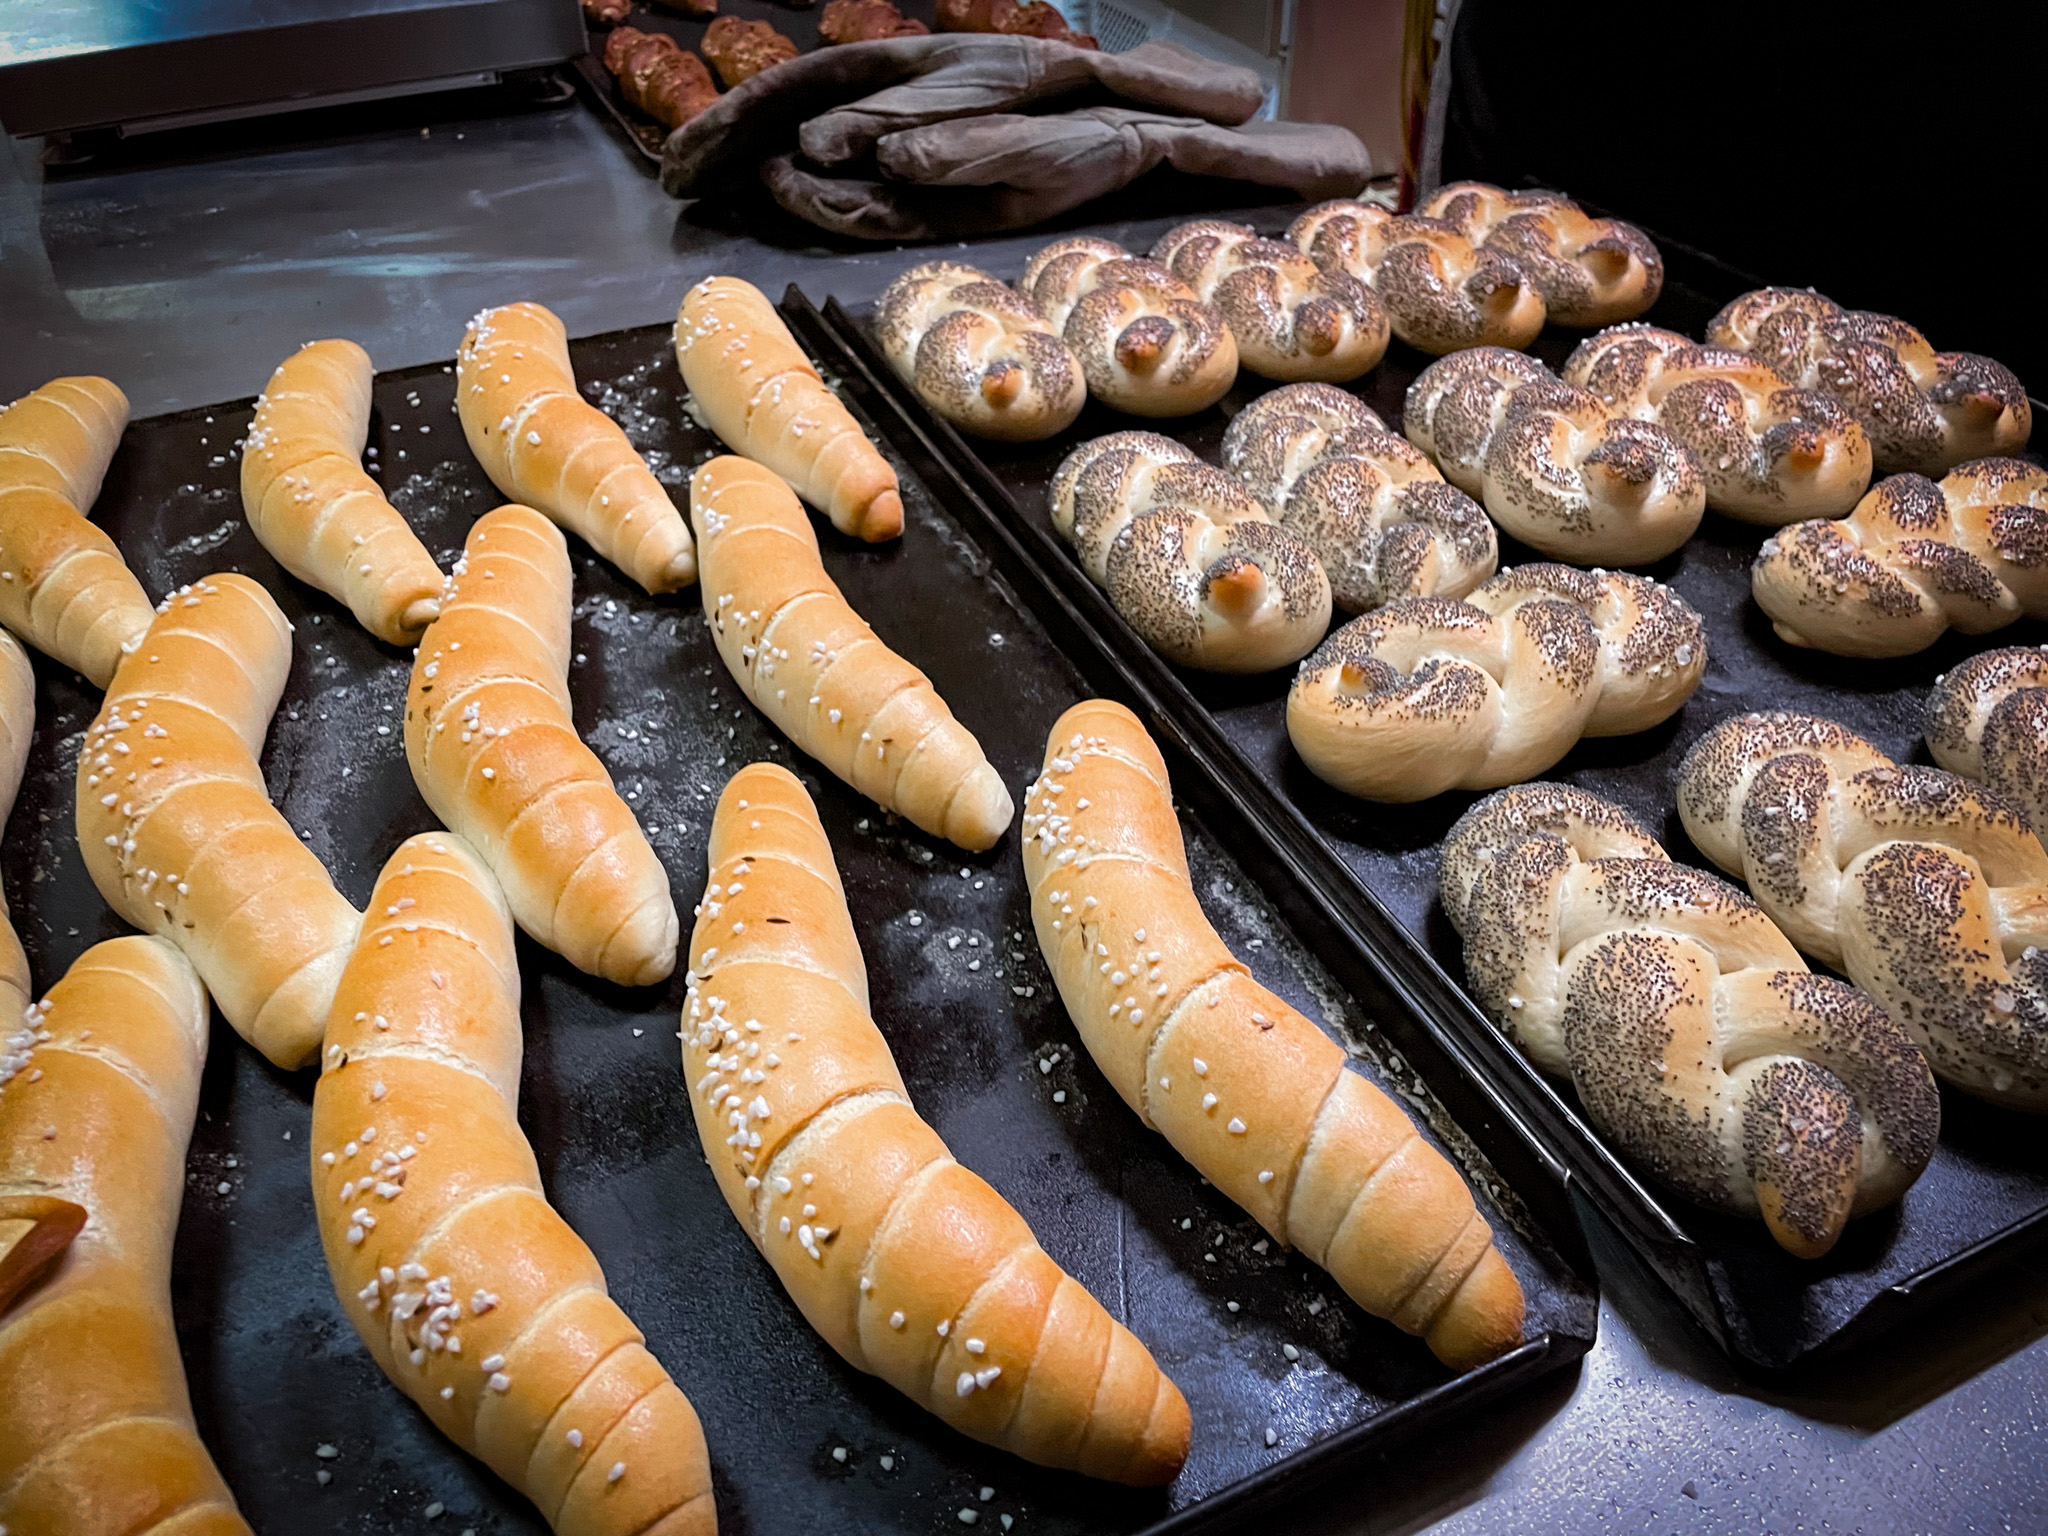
point(751, 384)
point(544, 446)
point(1441, 292)
point(1987, 719)
point(979, 353)
point(17, 732)
point(1147, 345)
point(658, 75)
point(740, 50)
point(1291, 319)
point(1698, 1041)
point(1924, 411)
point(96, 1429)
point(1590, 271)
point(697, 8)
point(1919, 886)
point(63, 586)
point(469, 1291)
point(491, 735)
point(606, 13)
point(1553, 465)
point(1368, 502)
point(1188, 556)
point(1013, 18)
point(1255, 1096)
point(1429, 694)
point(814, 667)
point(308, 500)
point(1767, 453)
point(1913, 559)
point(908, 1265)
point(865, 21)
point(177, 829)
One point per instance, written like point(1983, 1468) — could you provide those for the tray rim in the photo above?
point(1581, 1159)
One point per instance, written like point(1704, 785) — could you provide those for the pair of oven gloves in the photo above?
point(961, 134)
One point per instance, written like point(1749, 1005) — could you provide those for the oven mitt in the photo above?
point(839, 102)
point(950, 180)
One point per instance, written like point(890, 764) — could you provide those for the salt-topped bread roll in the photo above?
point(308, 500)
point(543, 445)
point(814, 667)
point(754, 387)
point(910, 1266)
point(471, 1293)
point(63, 586)
point(17, 731)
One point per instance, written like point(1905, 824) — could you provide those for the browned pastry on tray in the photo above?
point(740, 50)
point(606, 13)
point(697, 8)
point(658, 75)
point(1014, 18)
point(865, 21)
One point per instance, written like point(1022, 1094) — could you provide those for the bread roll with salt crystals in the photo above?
point(471, 1293)
point(308, 500)
point(1251, 1093)
point(96, 1429)
point(63, 585)
point(491, 735)
point(814, 667)
point(177, 829)
point(542, 444)
point(757, 390)
point(17, 731)
point(910, 1266)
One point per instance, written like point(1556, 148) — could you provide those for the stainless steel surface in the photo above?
point(187, 280)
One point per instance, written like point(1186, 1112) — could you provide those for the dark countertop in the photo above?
point(187, 276)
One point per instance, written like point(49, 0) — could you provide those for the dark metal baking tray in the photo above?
point(1983, 1199)
point(798, 1439)
point(643, 132)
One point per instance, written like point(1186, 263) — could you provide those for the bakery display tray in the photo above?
point(1984, 1197)
point(307, 1431)
point(643, 132)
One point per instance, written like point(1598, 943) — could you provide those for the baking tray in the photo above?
point(643, 132)
point(1983, 1199)
point(283, 1391)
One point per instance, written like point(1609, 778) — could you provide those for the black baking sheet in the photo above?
point(646, 135)
point(1985, 1194)
point(797, 1438)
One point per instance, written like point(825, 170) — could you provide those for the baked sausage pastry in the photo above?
point(1188, 556)
point(1251, 1093)
point(1428, 694)
point(910, 1266)
point(1697, 1039)
point(1987, 719)
point(544, 446)
point(1924, 411)
point(96, 1429)
point(63, 585)
point(740, 50)
point(308, 500)
point(177, 830)
point(1013, 18)
point(491, 735)
point(865, 21)
point(469, 1291)
point(1147, 345)
point(1440, 291)
point(814, 667)
point(1914, 558)
point(1291, 319)
point(1767, 453)
point(17, 731)
point(1590, 271)
point(979, 353)
point(658, 75)
point(1924, 889)
point(1368, 502)
point(754, 387)
point(1554, 466)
